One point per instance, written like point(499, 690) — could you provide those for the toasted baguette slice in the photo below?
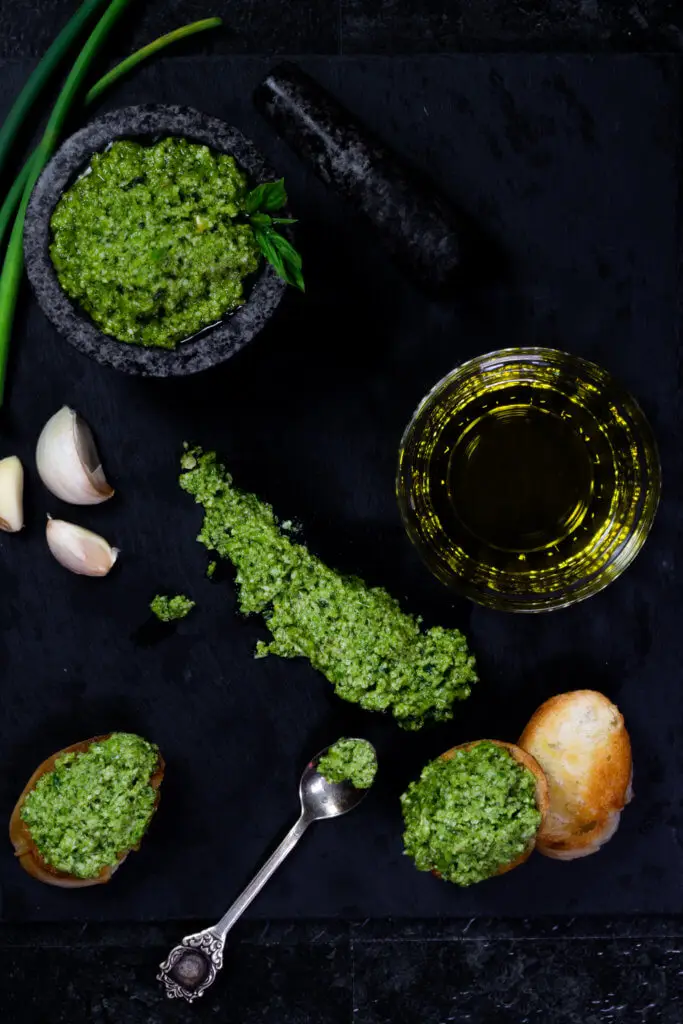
point(522, 757)
point(580, 741)
point(24, 847)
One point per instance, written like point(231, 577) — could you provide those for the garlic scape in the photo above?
point(11, 494)
point(67, 460)
point(79, 550)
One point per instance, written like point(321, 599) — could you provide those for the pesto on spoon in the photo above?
point(372, 652)
point(350, 760)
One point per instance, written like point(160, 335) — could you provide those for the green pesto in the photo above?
point(351, 761)
point(93, 807)
point(168, 609)
point(147, 240)
point(373, 653)
point(469, 816)
point(210, 570)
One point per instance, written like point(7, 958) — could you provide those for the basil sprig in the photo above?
point(262, 202)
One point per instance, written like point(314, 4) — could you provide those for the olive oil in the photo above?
point(528, 479)
point(521, 474)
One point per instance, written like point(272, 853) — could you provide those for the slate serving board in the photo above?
point(571, 165)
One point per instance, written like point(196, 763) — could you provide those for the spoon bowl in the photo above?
point(323, 799)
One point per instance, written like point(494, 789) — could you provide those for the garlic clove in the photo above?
point(11, 494)
point(67, 460)
point(79, 550)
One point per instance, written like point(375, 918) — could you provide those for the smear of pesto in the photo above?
point(168, 609)
point(351, 761)
point(373, 653)
point(147, 241)
point(94, 806)
point(469, 816)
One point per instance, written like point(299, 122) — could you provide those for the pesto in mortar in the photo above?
point(349, 760)
point(357, 636)
point(146, 240)
point(470, 815)
point(93, 806)
point(169, 609)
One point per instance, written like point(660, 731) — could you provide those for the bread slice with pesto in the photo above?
point(580, 741)
point(85, 808)
point(541, 793)
point(475, 812)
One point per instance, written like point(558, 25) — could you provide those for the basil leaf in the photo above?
point(254, 199)
point(297, 278)
point(271, 195)
point(270, 252)
point(262, 219)
point(275, 196)
point(281, 255)
point(286, 249)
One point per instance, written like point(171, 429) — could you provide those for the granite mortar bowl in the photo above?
point(151, 122)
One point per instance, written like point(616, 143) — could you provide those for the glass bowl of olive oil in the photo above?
point(528, 479)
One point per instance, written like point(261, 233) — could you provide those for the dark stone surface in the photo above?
point(510, 983)
point(148, 122)
point(355, 974)
point(371, 26)
point(546, 153)
point(573, 164)
point(406, 26)
point(29, 26)
point(304, 977)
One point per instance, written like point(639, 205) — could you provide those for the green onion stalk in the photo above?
point(38, 80)
point(13, 197)
point(20, 193)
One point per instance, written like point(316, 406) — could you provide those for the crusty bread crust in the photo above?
point(542, 797)
point(22, 840)
point(581, 742)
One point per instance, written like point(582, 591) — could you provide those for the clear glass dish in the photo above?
point(528, 479)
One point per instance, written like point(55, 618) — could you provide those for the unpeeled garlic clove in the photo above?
point(67, 460)
point(11, 494)
point(79, 550)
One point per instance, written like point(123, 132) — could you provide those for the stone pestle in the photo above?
point(418, 226)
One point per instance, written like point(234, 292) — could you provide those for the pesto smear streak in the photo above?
point(93, 806)
point(471, 815)
point(170, 609)
point(147, 241)
point(351, 761)
point(373, 653)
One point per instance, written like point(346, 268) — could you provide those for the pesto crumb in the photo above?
point(470, 815)
point(348, 760)
point(372, 652)
point(210, 570)
point(168, 609)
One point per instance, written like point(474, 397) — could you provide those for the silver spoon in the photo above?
point(191, 967)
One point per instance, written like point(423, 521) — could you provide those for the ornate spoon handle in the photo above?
point(191, 967)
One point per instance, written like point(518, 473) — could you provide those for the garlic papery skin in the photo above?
point(67, 460)
point(11, 494)
point(79, 550)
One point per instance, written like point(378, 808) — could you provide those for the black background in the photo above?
point(572, 166)
point(546, 154)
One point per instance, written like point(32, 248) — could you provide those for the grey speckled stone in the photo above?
point(212, 346)
point(543, 982)
point(370, 26)
point(418, 227)
point(328, 973)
